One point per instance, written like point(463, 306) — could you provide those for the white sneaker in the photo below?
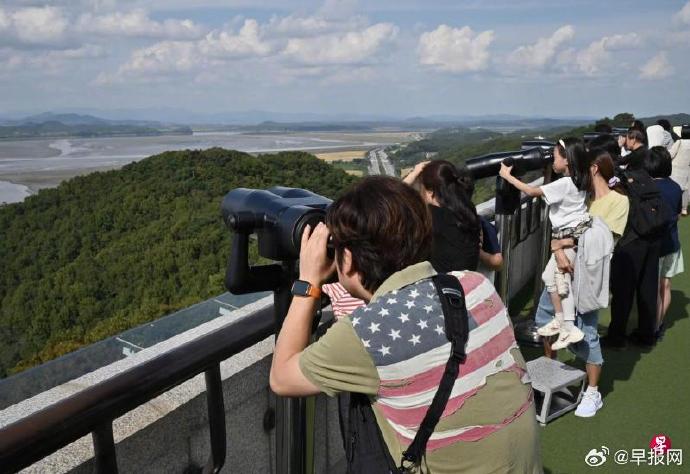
point(551, 328)
point(589, 405)
point(567, 337)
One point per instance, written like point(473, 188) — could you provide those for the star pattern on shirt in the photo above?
point(398, 327)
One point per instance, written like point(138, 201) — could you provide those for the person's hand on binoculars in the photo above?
point(314, 264)
point(505, 171)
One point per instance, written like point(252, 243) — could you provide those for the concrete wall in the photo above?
point(169, 434)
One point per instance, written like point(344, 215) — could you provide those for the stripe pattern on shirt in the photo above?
point(403, 332)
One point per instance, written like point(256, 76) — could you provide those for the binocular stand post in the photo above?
point(291, 419)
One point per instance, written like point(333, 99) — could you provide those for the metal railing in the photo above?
point(93, 410)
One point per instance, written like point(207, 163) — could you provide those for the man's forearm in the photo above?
point(294, 335)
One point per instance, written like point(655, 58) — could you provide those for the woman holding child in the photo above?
point(606, 201)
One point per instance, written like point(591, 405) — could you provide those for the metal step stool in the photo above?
point(550, 380)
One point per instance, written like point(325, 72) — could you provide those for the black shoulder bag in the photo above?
point(365, 448)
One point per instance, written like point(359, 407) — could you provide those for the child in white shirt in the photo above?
point(569, 219)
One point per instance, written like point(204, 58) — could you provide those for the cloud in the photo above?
point(596, 56)
point(657, 67)
point(305, 26)
point(683, 16)
point(50, 62)
point(173, 57)
point(457, 50)
point(137, 23)
point(354, 47)
point(33, 26)
point(163, 57)
point(542, 53)
point(246, 43)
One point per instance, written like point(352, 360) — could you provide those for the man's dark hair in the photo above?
point(603, 127)
point(635, 134)
point(658, 162)
point(608, 143)
point(639, 126)
point(386, 226)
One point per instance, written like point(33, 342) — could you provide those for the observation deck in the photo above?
point(189, 392)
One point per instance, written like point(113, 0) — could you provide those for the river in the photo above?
point(29, 165)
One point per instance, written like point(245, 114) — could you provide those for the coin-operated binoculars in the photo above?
point(277, 216)
point(534, 155)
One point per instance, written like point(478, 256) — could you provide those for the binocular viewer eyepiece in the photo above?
point(277, 215)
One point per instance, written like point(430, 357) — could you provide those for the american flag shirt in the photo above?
point(402, 331)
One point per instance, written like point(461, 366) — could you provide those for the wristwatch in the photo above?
point(304, 288)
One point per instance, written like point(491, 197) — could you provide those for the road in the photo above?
point(378, 161)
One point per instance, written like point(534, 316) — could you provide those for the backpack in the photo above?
point(647, 217)
point(365, 449)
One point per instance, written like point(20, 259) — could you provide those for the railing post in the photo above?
point(507, 202)
point(545, 248)
point(104, 448)
point(216, 420)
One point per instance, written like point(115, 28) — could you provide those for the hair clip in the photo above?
point(615, 180)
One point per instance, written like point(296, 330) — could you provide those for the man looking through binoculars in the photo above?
point(394, 349)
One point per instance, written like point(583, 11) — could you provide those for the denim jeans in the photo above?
point(588, 349)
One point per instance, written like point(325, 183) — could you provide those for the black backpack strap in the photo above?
point(452, 299)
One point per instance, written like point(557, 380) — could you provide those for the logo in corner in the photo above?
point(595, 458)
point(660, 444)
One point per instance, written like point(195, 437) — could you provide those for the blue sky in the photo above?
point(396, 58)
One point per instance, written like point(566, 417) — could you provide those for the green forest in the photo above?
point(111, 250)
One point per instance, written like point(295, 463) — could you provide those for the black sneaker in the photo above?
point(659, 334)
point(642, 342)
point(608, 342)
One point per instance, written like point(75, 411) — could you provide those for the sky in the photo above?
point(397, 58)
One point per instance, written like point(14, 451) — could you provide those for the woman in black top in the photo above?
point(456, 226)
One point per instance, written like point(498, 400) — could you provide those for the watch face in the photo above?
point(301, 288)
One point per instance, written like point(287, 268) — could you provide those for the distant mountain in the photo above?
point(65, 119)
point(675, 119)
point(51, 125)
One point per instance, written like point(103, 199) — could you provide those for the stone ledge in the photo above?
point(143, 416)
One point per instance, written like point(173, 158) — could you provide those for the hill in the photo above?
point(107, 251)
point(49, 125)
point(675, 119)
